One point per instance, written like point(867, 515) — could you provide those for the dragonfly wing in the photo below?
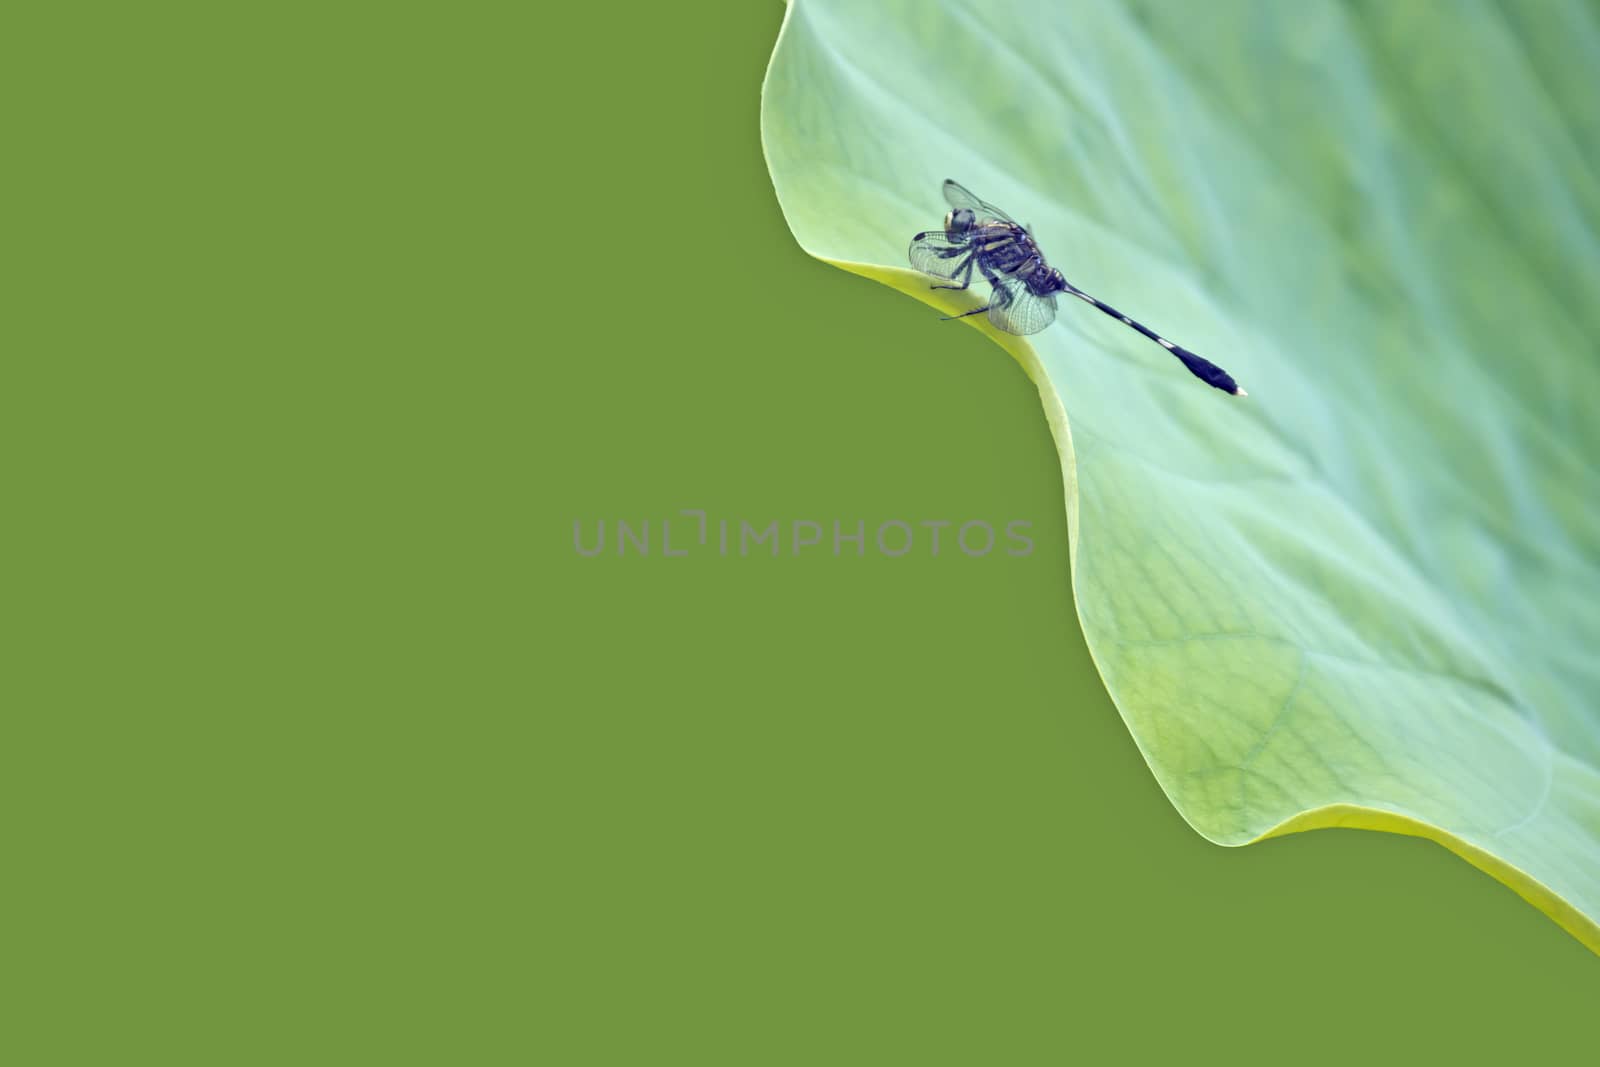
point(936, 253)
point(1014, 308)
point(957, 196)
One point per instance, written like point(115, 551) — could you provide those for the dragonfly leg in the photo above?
point(964, 314)
point(964, 272)
point(1000, 295)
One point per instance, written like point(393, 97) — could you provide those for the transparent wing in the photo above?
point(959, 197)
point(1015, 309)
point(935, 253)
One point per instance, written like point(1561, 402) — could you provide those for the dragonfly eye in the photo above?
point(959, 221)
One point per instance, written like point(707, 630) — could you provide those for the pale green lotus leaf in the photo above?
point(1365, 595)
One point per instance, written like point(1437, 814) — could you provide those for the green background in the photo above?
point(326, 746)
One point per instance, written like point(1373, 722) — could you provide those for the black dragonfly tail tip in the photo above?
point(1208, 372)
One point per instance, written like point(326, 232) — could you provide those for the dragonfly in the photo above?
point(978, 236)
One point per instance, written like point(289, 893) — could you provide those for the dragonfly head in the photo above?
point(959, 221)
